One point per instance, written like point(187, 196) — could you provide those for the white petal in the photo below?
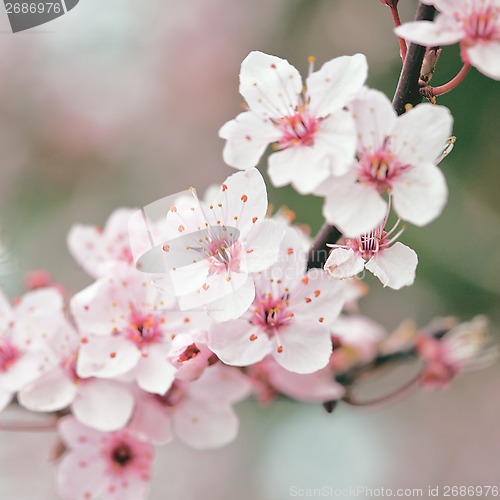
point(205, 425)
point(485, 56)
point(317, 298)
point(420, 194)
point(353, 207)
point(234, 305)
point(395, 266)
point(270, 85)
point(155, 373)
point(344, 263)
point(443, 31)
point(103, 405)
point(25, 369)
point(6, 313)
point(375, 119)
point(231, 342)
point(248, 136)
point(305, 167)
point(336, 83)
point(85, 245)
point(151, 420)
point(5, 398)
point(336, 138)
point(422, 133)
point(76, 435)
point(52, 391)
point(40, 303)
point(242, 195)
point(107, 357)
point(304, 347)
point(263, 244)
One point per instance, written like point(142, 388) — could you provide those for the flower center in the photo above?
point(144, 329)
point(482, 24)
point(121, 454)
point(380, 169)
point(223, 255)
point(297, 130)
point(270, 313)
point(190, 352)
point(9, 354)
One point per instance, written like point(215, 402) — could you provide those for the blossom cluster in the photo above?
point(143, 356)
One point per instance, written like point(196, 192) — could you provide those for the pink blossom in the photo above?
point(25, 330)
point(465, 346)
point(394, 264)
point(475, 24)
point(100, 250)
point(199, 412)
point(222, 242)
point(396, 155)
point(106, 466)
point(289, 318)
point(126, 328)
point(105, 405)
point(270, 379)
point(315, 137)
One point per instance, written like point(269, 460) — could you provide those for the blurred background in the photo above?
point(119, 103)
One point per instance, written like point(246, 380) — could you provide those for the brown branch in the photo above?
point(407, 93)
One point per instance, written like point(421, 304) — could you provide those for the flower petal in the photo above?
point(248, 136)
point(231, 342)
point(262, 249)
point(486, 58)
point(154, 373)
point(271, 86)
point(151, 420)
point(344, 263)
point(5, 398)
point(304, 347)
point(103, 405)
point(336, 83)
point(443, 31)
point(395, 266)
point(420, 194)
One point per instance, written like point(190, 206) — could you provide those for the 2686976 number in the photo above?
point(33, 8)
point(470, 491)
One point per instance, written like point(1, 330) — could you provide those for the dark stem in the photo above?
point(407, 93)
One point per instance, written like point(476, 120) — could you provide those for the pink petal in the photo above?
point(248, 136)
point(485, 57)
point(270, 85)
point(231, 342)
point(304, 347)
point(336, 83)
point(28, 367)
point(205, 425)
point(76, 435)
point(103, 405)
point(318, 298)
point(395, 266)
point(6, 313)
point(154, 373)
point(107, 357)
point(52, 391)
point(344, 263)
point(151, 420)
point(420, 194)
point(5, 398)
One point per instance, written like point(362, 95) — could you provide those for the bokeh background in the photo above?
point(118, 103)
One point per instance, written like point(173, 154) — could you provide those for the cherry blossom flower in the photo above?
point(396, 155)
point(475, 24)
point(289, 318)
point(24, 332)
point(105, 466)
point(315, 137)
point(394, 264)
point(99, 250)
point(105, 405)
point(466, 346)
point(221, 244)
point(126, 325)
point(270, 379)
point(199, 412)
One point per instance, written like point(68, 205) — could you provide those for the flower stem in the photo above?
point(397, 22)
point(431, 92)
point(400, 393)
